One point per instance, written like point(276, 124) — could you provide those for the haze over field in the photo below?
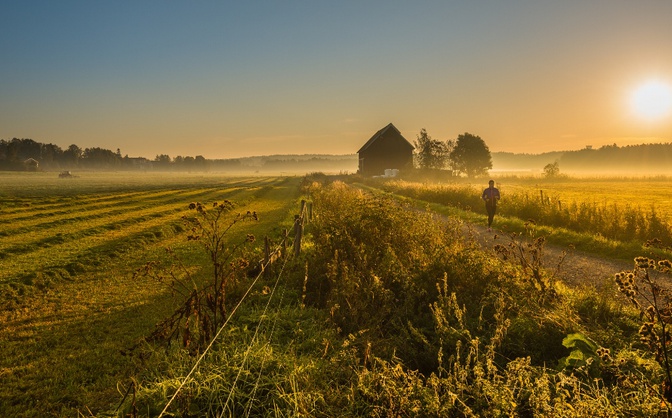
point(236, 79)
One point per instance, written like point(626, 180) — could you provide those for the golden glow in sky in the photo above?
point(227, 79)
point(652, 100)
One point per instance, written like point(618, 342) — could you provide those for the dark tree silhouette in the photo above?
point(471, 155)
point(431, 153)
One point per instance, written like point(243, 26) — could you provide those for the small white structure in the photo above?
point(389, 173)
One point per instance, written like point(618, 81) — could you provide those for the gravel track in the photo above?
point(578, 268)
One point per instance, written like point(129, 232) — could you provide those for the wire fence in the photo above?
point(270, 258)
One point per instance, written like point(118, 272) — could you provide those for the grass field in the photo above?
point(634, 192)
point(69, 249)
point(387, 312)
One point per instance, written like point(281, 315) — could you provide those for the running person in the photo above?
point(490, 196)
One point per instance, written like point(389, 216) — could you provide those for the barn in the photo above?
point(31, 164)
point(387, 149)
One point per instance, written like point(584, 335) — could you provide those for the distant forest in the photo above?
point(643, 159)
point(27, 154)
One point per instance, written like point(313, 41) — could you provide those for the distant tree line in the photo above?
point(27, 154)
point(642, 158)
point(629, 158)
point(18, 154)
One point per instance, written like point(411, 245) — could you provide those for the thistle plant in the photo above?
point(655, 305)
point(527, 250)
point(204, 308)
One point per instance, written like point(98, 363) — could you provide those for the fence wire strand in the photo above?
point(207, 349)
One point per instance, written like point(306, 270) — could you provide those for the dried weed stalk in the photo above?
point(204, 309)
point(527, 250)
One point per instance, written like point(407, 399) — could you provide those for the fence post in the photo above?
point(541, 195)
point(298, 227)
point(297, 239)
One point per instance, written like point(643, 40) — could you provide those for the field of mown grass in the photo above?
point(69, 249)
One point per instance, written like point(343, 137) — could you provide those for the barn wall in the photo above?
point(389, 151)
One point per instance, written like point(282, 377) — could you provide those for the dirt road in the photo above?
point(577, 268)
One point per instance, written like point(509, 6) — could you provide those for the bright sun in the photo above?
point(652, 100)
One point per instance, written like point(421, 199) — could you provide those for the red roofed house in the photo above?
point(387, 149)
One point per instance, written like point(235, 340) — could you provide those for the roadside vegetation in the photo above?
point(616, 218)
point(391, 312)
point(387, 311)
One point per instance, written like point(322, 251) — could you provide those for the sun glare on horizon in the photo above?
point(652, 100)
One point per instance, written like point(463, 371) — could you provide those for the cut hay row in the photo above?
point(88, 203)
point(34, 228)
point(85, 241)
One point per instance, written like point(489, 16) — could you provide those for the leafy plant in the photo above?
point(584, 354)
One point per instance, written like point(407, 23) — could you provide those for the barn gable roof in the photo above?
point(381, 133)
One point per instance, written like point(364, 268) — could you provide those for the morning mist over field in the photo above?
point(230, 80)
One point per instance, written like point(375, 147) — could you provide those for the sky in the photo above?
point(229, 79)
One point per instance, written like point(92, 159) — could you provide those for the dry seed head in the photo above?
point(642, 262)
point(665, 265)
point(651, 312)
point(604, 354)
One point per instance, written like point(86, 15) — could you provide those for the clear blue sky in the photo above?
point(228, 79)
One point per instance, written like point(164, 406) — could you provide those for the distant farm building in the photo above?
point(31, 164)
point(386, 150)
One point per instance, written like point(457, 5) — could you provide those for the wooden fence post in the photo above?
point(297, 239)
point(541, 195)
point(298, 226)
